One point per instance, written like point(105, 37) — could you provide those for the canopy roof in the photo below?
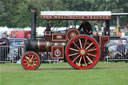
point(119, 14)
point(74, 15)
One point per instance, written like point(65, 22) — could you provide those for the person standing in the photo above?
point(21, 52)
point(4, 47)
point(121, 50)
point(29, 36)
point(85, 28)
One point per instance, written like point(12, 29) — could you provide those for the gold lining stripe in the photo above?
point(47, 44)
point(38, 44)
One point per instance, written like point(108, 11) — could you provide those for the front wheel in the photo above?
point(30, 61)
point(82, 52)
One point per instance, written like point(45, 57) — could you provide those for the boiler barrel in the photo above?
point(40, 45)
point(37, 45)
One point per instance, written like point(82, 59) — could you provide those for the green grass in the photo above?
point(64, 74)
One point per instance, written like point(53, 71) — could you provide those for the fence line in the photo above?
point(116, 59)
point(11, 53)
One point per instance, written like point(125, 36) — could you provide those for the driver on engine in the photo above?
point(85, 28)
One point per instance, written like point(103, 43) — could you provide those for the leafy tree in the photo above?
point(14, 13)
point(2, 12)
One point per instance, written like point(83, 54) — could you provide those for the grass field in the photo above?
point(64, 74)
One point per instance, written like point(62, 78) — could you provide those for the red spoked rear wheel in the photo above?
point(82, 52)
point(31, 61)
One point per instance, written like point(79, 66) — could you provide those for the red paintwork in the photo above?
point(103, 42)
point(47, 35)
point(41, 45)
point(56, 35)
point(97, 55)
point(61, 49)
point(24, 64)
point(71, 31)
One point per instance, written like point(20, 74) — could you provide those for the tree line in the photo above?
point(14, 13)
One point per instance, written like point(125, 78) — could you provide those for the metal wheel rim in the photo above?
point(30, 61)
point(84, 57)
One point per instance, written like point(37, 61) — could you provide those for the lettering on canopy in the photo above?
point(75, 15)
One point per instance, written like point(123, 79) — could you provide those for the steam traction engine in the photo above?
point(81, 50)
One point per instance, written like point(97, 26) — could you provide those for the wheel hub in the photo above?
point(82, 52)
point(30, 61)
